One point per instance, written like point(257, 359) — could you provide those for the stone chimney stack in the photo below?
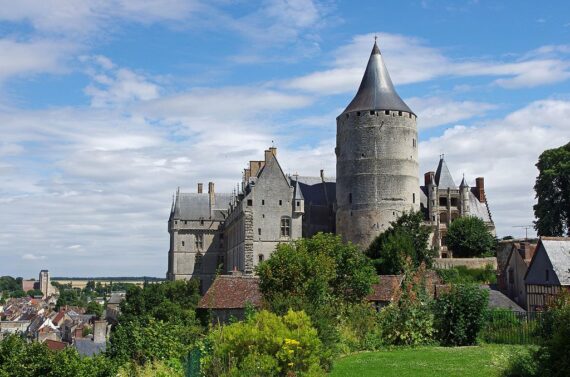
point(212, 195)
point(99, 331)
point(270, 153)
point(480, 189)
point(200, 187)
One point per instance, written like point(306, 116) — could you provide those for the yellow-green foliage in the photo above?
point(264, 345)
point(172, 368)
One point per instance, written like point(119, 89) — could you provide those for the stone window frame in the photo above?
point(285, 227)
point(199, 241)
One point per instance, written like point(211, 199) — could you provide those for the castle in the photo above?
point(377, 179)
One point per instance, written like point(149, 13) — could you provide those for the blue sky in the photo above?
point(107, 106)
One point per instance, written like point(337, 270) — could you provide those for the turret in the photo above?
point(464, 193)
point(298, 200)
point(377, 157)
point(433, 202)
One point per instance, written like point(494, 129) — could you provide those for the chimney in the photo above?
point(99, 331)
point(480, 189)
point(78, 333)
point(427, 178)
point(212, 195)
point(270, 153)
point(322, 175)
point(200, 186)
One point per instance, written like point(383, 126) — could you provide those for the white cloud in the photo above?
point(32, 57)
point(436, 111)
point(504, 151)
point(33, 257)
point(411, 60)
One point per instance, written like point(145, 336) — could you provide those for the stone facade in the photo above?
point(377, 181)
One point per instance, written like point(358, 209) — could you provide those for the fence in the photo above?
point(193, 363)
point(508, 327)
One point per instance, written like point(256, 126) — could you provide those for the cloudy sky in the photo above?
point(106, 106)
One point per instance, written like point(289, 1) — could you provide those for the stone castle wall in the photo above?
point(377, 172)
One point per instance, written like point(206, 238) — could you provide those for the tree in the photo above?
point(34, 292)
point(552, 211)
point(460, 314)
point(469, 237)
point(94, 308)
point(406, 238)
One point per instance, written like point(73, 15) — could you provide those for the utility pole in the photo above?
point(526, 228)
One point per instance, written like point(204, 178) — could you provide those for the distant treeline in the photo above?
point(111, 278)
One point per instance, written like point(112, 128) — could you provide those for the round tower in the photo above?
point(377, 158)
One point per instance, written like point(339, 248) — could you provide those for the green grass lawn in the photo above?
point(484, 361)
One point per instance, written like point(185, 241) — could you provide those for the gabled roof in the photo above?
point(443, 178)
point(232, 292)
point(376, 91)
point(194, 206)
point(558, 251)
point(386, 288)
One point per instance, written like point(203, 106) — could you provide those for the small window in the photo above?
point(433, 218)
point(182, 243)
point(414, 142)
point(262, 202)
point(285, 227)
point(399, 113)
point(199, 241)
point(260, 257)
point(263, 215)
point(346, 116)
point(280, 202)
point(371, 112)
point(298, 203)
point(413, 197)
point(387, 112)
point(201, 221)
point(358, 113)
point(175, 222)
point(185, 222)
point(259, 231)
point(249, 202)
point(350, 197)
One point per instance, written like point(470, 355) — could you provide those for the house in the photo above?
point(548, 273)
point(229, 295)
point(384, 292)
point(93, 344)
point(514, 271)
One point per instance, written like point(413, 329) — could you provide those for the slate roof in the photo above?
point(376, 91)
point(386, 288)
point(232, 292)
point(443, 178)
point(314, 191)
point(478, 209)
point(558, 251)
point(497, 300)
point(87, 347)
point(194, 206)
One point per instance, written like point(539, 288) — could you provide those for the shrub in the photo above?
point(264, 345)
point(408, 320)
point(463, 275)
point(460, 314)
point(358, 329)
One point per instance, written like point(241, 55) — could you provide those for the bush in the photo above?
point(460, 314)
point(358, 329)
point(408, 320)
point(264, 345)
point(464, 275)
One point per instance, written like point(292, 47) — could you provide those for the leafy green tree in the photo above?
point(406, 238)
point(264, 345)
point(469, 237)
point(460, 314)
point(170, 301)
point(34, 292)
point(320, 275)
point(18, 293)
point(552, 187)
point(94, 308)
point(146, 339)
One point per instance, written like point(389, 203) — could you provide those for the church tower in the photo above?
point(376, 158)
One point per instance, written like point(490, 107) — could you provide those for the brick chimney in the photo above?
point(200, 187)
point(429, 177)
point(480, 189)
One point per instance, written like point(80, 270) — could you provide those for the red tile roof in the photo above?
point(232, 292)
point(386, 288)
point(54, 345)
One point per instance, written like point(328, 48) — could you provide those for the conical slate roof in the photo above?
point(443, 177)
point(463, 183)
point(376, 91)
